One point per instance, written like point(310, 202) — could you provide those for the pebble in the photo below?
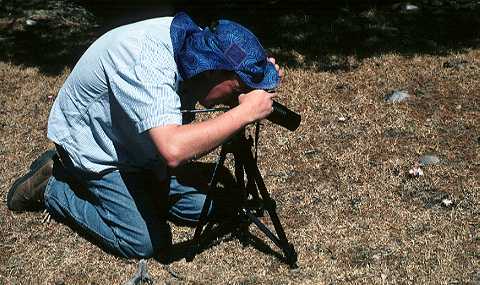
point(447, 202)
point(405, 7)
point(310, 152)
point(30, 22)
point(410, 7)
point(429, 160)
point(397, 96)
point(455, 63)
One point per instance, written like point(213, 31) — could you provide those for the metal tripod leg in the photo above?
point(203, 220)
point(253, 173)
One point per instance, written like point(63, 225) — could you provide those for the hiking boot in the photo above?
point(27, 191)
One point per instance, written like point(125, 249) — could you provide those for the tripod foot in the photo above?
point(192, 251)
point(291, 256)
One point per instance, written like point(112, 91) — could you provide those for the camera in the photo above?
point(284, 117)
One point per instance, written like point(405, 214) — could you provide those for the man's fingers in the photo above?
point(277, 67)
point(272, 95)
point(272, 60)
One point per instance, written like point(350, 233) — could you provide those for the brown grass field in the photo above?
point(342, 186)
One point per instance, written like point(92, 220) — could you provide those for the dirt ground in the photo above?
point(341, 181)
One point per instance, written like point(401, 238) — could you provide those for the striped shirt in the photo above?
point(123, 85)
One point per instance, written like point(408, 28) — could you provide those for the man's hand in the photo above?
point(277, 67)
point(256, 105)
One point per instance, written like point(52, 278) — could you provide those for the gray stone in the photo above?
point(456, 63)
point(429, 159)
point(397, 96)
point(405, 8)
point(410, 7)
point(30, 22)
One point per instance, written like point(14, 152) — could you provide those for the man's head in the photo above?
point(221, 58)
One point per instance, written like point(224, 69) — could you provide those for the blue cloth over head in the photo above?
point(228, 46)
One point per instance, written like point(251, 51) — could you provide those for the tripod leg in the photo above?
point(269, 205)
point(206, 206)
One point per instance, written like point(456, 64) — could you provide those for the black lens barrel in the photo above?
point(284, 117)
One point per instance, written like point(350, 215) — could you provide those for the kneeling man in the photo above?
point(122, 144)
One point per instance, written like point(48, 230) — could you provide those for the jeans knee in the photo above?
point(140, 246)
point(189, 209)
point(148, 242)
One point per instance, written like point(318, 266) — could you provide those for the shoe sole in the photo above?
point(34, 167)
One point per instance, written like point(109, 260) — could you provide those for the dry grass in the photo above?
point(342, 187)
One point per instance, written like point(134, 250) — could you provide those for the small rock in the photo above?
point(311, 152)
point(405, 7)
point(342, 119)
point(397, 96)
point(410, 7)
point(447, 202)
point(30, 22)
point(455, 63)
point(428, 160)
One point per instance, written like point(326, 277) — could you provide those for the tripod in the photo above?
point(256, 199)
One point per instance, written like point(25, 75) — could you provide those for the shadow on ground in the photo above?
point(218, 234)
point(328, 36)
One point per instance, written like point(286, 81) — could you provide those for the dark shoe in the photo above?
point(27, 191)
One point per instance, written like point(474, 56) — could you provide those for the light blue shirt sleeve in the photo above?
point(146, 90)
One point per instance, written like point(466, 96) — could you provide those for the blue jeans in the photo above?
point(126, 213)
